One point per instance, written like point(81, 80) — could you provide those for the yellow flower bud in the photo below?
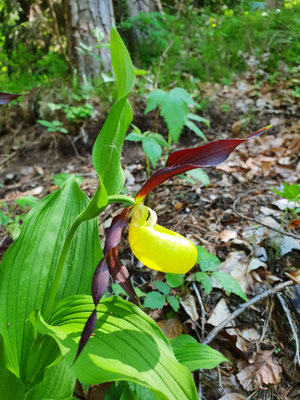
point(157, 247)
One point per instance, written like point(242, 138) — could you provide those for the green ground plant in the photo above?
point(291, 193)
point(11, 221)
point(209, 268)
point(152, 144)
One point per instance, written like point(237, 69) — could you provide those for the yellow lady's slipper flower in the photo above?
point(157, 247)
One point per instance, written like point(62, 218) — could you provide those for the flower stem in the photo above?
point(119, 198)
point(148, 176)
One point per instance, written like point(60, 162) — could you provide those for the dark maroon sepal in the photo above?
point(7, 97)
point(207, 155)
point(110, 264)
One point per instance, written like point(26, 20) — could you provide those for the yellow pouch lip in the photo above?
point(157, 247)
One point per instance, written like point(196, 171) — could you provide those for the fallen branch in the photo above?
point(293, 328)
point(258, 222)
point(203, 312)
point(243, 307)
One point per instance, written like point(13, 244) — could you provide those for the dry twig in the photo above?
point(203, 312)
point(242, 308)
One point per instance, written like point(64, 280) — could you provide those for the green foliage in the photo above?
point(153, 36)
point(290, 192)
point(204, 279)
point(54, 259)
point(206, 260)
point(152, 143)
point(209, 265)
point(36, 277)
point(117, 290)
point(74, 113)
point(195, 355)
point(108, 146)
point(214, 43)
point(8, 219)
point(53, 126)
point(175, 280)
point(154, 300)
point(147, 357)
point(29, 54)
point(129, 391)
point(174, 109)
point(229, 284)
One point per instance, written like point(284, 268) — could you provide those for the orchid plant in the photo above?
point(51, 330)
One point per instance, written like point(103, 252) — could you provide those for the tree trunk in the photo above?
point(82, 18)
point(135, 7)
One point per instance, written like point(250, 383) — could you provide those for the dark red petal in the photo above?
point(114, 233)
point(207, 155)
point(7, 97)
point(100, 281)
point(121, 275)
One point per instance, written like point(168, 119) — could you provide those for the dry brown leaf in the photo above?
point(227, 235)
point(171, 327)
point(265, 370)
point(189, 305)
point(236, 265)
point(219, 314)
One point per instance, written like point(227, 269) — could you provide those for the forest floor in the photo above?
point(237, 217)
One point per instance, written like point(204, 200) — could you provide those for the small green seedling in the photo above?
point(292, 194)
point(13, 223)
point(209, 266)
point(53, 126)
point(155, 299)
point(117, 290)
point(74, 113)
point(152, 144)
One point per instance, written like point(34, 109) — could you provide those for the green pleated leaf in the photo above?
point(126, 345)
point(58, 383)
point(195, 355)
point(108, 145)
point(27, 273)
point(11, 388)
point(198, 356)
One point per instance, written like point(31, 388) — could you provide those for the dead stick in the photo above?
point(203, 312)
point(243, 307)
point(8, 158)
point(293, 327)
